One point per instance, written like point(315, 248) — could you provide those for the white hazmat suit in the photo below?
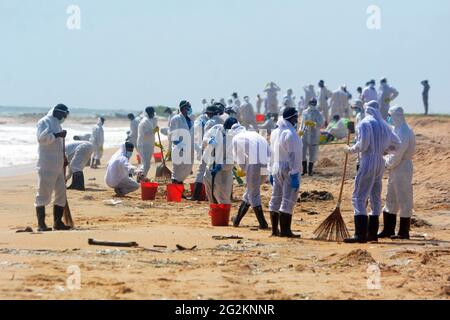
point(285, 160)
point(374, 138)
point(324, 108)
point(182, 137)
point(118, 173)
point(339, 104)
point(50, 165)
point(247, 116)
point(386, 95)
point(219, 153)
point(78, 155)
point(251, 152)
point(399, 198)
point(146, 141)
point(311, 134)
point(98, 139)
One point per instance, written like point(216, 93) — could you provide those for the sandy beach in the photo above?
point(35, 265)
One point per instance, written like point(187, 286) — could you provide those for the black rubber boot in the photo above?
point(305, 167)
point(360, 230)
point(403, 233)
point(97, 162)
point(57, 217)
point(197, 191)
point(311, 169)
point(259, 212)
point(374, 225)
point(275, 220)
point(285, 223)
point(390, 221)
point(77, 181)
point(243, 209)
point(42, 227)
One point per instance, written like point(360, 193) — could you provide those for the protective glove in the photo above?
point(295, 181)
point(387, 100)
point(156, 130)
point(176, 142)
point(240, 173)
point(271, 180)
point(301, 134)
point(347, 150)
point(212, 141)
point(310, 123)
point(217, 168)
point(157, 144)
point(61, 134)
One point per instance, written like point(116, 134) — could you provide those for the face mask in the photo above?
point(189, 113)
point(62, 120)
point(390, 121)
point(129, 154)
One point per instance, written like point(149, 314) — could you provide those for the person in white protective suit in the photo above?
point(284, 168)
point(259, 103)
point(399, 198)
point(146, 140)
point(50, 167)
point(310, 94)
point(182, 137)
point(337, 129)
point(97, 139)
point(251, 153)
point(271, 101)
point(369, 93)
point(165, 131)
point(119, 172)
point(204, 105)
point(323, 106)
point(247, 116)
point(78, 154)
point(134, 125)
point(202, 125)
point(339, 103)
point(288, 99)
point(386, 95)
point(219, 160)
point(374, 139)
point(312, 121)
point(358, 107)
point(236, 100)
point(301, 105)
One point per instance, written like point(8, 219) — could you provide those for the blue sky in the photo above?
point(147, 52)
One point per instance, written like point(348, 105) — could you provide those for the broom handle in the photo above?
point(162, 149)
point(345, 173)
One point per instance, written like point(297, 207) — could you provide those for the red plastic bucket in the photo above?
point(174, 192)
point(260, 118)
point(220, 214)
point(149, 190)
point(202, 196)
point(157, 157)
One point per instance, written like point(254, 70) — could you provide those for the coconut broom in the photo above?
point(334, 228)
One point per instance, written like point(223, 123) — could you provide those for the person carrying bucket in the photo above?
point(251, 152)
point(218, 157)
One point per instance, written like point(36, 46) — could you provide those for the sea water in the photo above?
point(18, 143)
